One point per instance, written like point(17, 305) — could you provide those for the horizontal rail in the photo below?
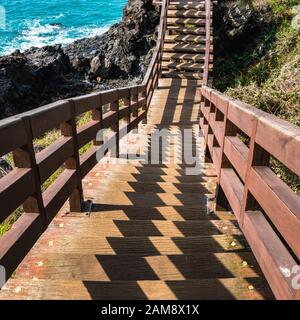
point(240, 141)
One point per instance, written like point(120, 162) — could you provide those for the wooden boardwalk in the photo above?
point(152, 232)
point(153, 227)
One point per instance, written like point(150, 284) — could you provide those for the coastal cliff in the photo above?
point(116, 58)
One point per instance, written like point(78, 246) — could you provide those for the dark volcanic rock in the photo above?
point(118, 57)
point(120, 52)
point(235, 23)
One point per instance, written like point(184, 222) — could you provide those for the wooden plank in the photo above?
point(173, 213)
point(184, 38)
point(141, 246)
point(49, 117)
point(58, 192)
point(186, 48)
point(140, 228)
point(213, 289)
point(15, 188)
point(186, 21)
point(237, 153)
point(109, 118)
point(51, 158)
point(17, 242)
point(187, 13)
point(124, 268)
point(242, 115)
point(282, 141)
point(219, 131)
point(271, 254)
point(86, 103)
point(124, 93)
point(12, 135)
point(109, 96)
point(88, 160)
point(233, 189)
point(280, 203)
point(87, 132)
point(185, 30)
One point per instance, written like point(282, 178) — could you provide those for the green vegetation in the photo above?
point(266, 73)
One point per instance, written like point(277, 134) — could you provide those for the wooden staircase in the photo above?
point(152, 232)
point(185, 41)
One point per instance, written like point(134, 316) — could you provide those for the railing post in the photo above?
point(229, 130)
point(114, 106)
point(68, 129)
point(24, 157)
point(257, 157)
point(97, 115)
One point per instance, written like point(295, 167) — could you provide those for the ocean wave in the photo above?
point(36, 34)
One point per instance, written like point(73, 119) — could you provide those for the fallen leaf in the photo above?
point(40, 263)
point(244, 263)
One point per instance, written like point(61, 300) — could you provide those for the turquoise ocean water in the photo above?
point(27, 23)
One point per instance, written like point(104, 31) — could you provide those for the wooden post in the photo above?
point(24, 157)
point(68, 129)
point(257, 157)
point(97, 115)
point(134, 102)
point(230, 130)
point(114, 106)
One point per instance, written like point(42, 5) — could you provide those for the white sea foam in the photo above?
point(36, 34)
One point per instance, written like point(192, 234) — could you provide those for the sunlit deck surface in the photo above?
point(152, 232)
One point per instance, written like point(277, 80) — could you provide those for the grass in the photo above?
point(266, 73)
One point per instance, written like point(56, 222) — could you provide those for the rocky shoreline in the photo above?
point(119, 57)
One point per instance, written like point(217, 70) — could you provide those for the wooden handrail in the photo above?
point(154, 69)
point(207, 42)
point(267, 209)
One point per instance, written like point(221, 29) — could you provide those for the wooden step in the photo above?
point(189, 2)
point(186, 13)
point(156, 187)
point(139, 228)
point(167, 56)
point(184, 38)
point(84, 243)
point(230, 288)
point(147, 199)
point(186, 21)
point(181, 75)
point(183, 66)
point(112, 168)
point(172, 213)
point(121, 268)
point(184, 6)
point(133, 177)
point(185, 48)
point(187, 30)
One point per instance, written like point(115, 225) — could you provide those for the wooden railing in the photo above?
point(23, 186)
point(208, 45)
point(240, 140)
